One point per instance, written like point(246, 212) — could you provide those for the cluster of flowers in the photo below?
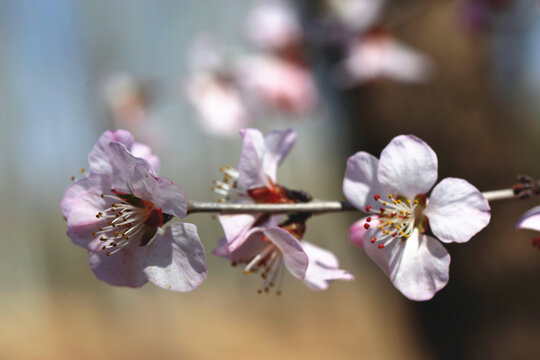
point(230, 91)
point(122, 213)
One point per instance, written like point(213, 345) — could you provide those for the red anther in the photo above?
point(366, 226)
point(382, 210)
point(381, 246)
point(373, 240)
point(536, 242)
point(368, 208)
point(368, 219)
point(394, 234)
point(377, 197)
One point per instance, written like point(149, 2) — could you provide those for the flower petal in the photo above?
point(124, 268)
point(408, 166)
point(261, 155)
point(294, 257)
point(145, 152)
point(278, 143)
point(99, 155)
point(135, 175)
point(236, 225)
point(456, 210)
point(361, 183)
point(176, 260)
point(322, 268)
point(82, 200)
point(418, 266)
point(250, 165)
point(358, 231)
point(530, 220)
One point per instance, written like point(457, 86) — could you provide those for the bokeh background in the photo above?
point(479, 111)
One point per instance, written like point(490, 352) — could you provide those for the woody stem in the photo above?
point(311, 207)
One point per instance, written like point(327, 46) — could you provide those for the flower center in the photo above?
point(230, 190)
point(128, 217)
point(267, 260)
point(397, 218)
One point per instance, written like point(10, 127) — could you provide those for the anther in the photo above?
point(373, 240)
point(366, 226)
point(381, 246)
point(377, 197)
point(368, 208)
point(368, 219)
point(389, 196)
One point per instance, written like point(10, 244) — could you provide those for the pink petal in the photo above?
point(250, 166)
point(99, 155)
point(358, 231)
point(530, 220)
point(456, 210)
point(278, 143)
point(236, 225)
point(408, 166)
point(145, 152)
point(294, 257)
point(418, 266)
point(135, 175)
point(176, 260)
point(223, 249)
point(82, 200)
point(361, 183)
point(124, 268)
point(261, 155)
point(322, 268)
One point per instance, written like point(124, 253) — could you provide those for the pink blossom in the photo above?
point(264, 243)
point(378, 55)
point(278, 84)
point(393, 190)
point(273, 25)
point(531, 220)
point(356, 15)
point(220, 103)
point(118, 213)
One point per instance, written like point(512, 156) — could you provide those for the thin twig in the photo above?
point(314, 207)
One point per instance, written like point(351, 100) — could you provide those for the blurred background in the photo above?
point(347, 75)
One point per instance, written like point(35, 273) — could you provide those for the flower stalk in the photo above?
point(315, 207)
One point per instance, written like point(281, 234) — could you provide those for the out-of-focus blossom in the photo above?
point(273, 25)
point(118, 213)
point(356, 15)
point(278, 84)
point(531, 220)
point(378, 55)
point(393, 190)
point(220, 103)
point(265, 243)
point(126, 99)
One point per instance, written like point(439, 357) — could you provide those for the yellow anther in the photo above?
point(401, 232)
point(408, 201)
point(415, 202)
point(82, 170)
point(384, 203)
point(389, 196)
point(73, 178)
point(398, 227)
point(399, 201)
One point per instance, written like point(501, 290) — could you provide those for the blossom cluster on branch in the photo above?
point(124, 214)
